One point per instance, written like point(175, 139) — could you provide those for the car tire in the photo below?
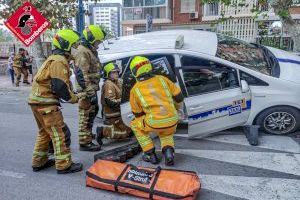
point(281, 120)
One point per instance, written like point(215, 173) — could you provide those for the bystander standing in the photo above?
point(28, 64)
point(10, 68)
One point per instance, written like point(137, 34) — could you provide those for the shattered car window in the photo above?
point(242, 53)
point(162, 64)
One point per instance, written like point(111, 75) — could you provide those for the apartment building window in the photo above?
point(187, 6)
point(211, 9)
point(149, 2)
point(159, 2)
point(128, 14)
point(156, 13)
point(296, 1)
point(264, 7)
point(128, 3)
point(138, 2)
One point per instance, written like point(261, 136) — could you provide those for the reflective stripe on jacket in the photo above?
point(154, 98)
point(55, 67)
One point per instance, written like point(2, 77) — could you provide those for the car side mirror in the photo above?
point(244, 86)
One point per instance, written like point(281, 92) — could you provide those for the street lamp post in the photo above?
point(80, 17)
point(149, 23)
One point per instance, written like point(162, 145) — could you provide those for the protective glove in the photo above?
point(94, 99)
point(74, 99)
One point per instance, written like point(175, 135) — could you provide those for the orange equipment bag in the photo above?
point(143, 182)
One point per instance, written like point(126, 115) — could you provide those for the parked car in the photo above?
point(226, 82)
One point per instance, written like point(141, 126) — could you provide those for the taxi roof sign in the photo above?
point(179, 42)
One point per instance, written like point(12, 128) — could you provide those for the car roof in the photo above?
point(194, 40)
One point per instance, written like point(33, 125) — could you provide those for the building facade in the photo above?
point(107, 15)
point(187, 14)
point(166, 15)
point(239, 22)
point(135, 14)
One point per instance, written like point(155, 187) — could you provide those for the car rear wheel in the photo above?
point(279, 120)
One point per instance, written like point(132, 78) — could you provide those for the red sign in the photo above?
point(27, 23)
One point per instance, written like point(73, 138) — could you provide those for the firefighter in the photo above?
point(110, 99)
point(87, 71)
point(20, 68)
point(154, 101)
point(52, 83)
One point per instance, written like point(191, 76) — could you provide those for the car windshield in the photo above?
point(242, 53)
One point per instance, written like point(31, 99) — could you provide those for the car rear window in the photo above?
point(242, 53)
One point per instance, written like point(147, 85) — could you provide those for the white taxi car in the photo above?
point(226, 82)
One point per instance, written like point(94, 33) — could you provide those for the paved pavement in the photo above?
point(229, 168)
point(7, 86)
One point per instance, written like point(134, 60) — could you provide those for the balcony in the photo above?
point(142, 3)
point(213, 11)
point(139, 15)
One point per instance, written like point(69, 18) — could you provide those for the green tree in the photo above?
point(5, 36)
point(281, 8)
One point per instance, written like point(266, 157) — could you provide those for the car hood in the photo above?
point(289, 65)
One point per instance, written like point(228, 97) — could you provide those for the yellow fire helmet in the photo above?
point(110, 67)
point(140, 65)
point(93, 33)
point(64, 39)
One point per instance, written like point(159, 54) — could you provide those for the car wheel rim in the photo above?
point(279, 123)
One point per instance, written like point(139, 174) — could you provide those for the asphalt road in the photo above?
point(229, 168)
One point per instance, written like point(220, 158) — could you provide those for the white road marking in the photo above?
point(182, 135)
point(254, 188)
point(281, 162)
point(280, 143)
point(11, 103)
point(12, 174)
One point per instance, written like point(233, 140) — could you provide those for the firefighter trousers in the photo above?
point(51, 127)
point(141, 131)
point(19, 71)
point(87, 114)
point(114, 128)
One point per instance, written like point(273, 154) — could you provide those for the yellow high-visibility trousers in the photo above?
point(141, 131)
point(51, 127)
point(114, 128)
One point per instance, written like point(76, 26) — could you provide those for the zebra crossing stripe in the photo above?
point(280, 143)
point(12, 174)
point(254, 188)
point(281, 162)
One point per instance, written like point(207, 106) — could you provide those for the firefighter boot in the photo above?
point(48, 164)
point(75, 167)
point(150, 156)
point(99, 135)
point(89, 147)
point(169, 155)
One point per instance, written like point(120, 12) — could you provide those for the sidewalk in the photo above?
point(6, 85)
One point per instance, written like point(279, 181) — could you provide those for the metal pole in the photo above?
point(80, 17)
point(149, 23)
